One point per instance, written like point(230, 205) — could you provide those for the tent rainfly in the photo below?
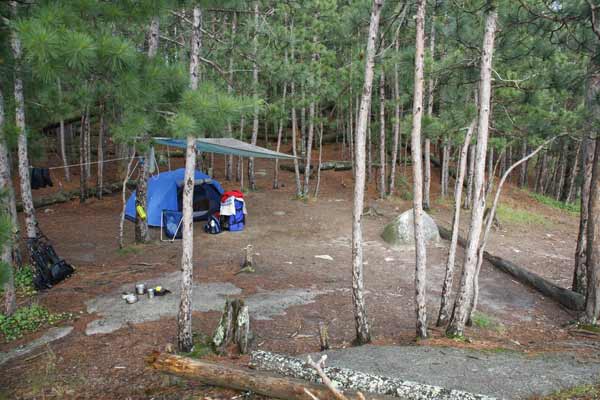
point(225, 146)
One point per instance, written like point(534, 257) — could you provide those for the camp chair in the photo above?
point(170, 223)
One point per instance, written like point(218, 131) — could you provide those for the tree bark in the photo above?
point(309, 143)
point(26, 197)
point(592, 300)
point(100, 155)
point(417, 166)
point(9, 209)
point(445, 168)
point(280, 131)
point(251, 175)
point(426, 174)
point(318, 185)
point(444, 314)
point(464, 300)
point(294, 121)
point(61, 137)
point(128, 173)
point(82, 175)
point(471, 168)
point(523, 175)
point(574, 172)
point(382, 172)
point(229, 157)
point(396, 142)
point(363, 334)
point(185, 342)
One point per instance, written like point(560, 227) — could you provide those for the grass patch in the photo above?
point(202, 346)
point(23, 279)
point(28, 319)
point(578, 392)
point(506, 214)
point(484, 321)
point(127, 250)
point(574, 208)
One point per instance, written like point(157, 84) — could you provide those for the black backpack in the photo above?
point(49, 269)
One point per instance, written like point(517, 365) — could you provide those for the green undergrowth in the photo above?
point(28, 319)
point(573, 208)
point(506, 214)
point(23, 282)
point(202, 346)
point(484, 321)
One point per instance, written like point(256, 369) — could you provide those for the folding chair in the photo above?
point(170, 224)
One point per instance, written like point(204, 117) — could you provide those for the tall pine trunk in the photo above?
point(229, 157)
point(463, 303)
point(185, 340)
point(396, 142)
point(417, 166)
point(26, 196)
point(592, 301)
point(100, 155)
point(82, 179)
point(363, 334)
point(470, 171)
point(382, 171)
point(8, 208)
point(444, 314)
point(251, 174)
point(294, 121)
point(523, 174)
point(279, 135)
point(61, 137)
point(570, 196)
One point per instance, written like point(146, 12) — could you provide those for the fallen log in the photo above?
point(237, 378)
point(325, 166)
point(65, 196)
point(358, 381)
point(568, 298)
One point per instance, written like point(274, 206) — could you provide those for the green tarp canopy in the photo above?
point(225, 146)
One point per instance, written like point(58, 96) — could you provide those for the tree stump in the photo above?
point(323, 336)
point(234, 327)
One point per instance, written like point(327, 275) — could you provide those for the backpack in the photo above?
point(236, 221)
point(213, 226)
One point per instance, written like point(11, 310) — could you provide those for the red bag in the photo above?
point(232, 193)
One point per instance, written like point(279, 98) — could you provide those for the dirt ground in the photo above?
point(112, 365)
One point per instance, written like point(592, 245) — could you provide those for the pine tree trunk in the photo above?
point(490, 163)
point(417, 165)
point(592, 300)
point(185, 340)
point(523, 175)
point(239, 177)
point(427, 174)
point(570, 197)
point(543, 173)
point(580, 270)
point(445, 168)
point(229, 157)
point(100, 155)
point(320, 159)
point(444, 314)
point(470, 172)
point(369, 150)
point(396, 142)
point(279, 134)
point(251, 175)
point(309, 142)
point(382, 172)
point(128, 172)
point(363, 334)
point(61, 138)
point(8, 207)
point(560, 174)
point(26, 196)
point(463, 303)
point(82, 180)
point(294, 120)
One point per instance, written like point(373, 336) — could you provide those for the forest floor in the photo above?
point(287, 234)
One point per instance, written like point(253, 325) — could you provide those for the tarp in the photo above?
point(226, 146)
point(163, 194)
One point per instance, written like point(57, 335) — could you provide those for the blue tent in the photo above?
point(165, 193)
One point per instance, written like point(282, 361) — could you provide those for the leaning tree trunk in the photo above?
point(251, 174)
point(309, 143)
point(396, 141)
point(8, 207)
point(185, 340)
point(592, 300)
point(280, 131)
point(464, 300)
point(320, 159)
point(417, 166)
point(382, 188)
point(82, 180)
point(363, 334)
point(444, 314)
point(26, 197)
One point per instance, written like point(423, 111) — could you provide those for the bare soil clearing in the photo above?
point(287, 235)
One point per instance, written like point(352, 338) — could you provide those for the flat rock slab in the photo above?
point(50, 336)
point(507, 374)
point(116, 313)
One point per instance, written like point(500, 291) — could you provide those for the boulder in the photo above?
point(401, 231)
